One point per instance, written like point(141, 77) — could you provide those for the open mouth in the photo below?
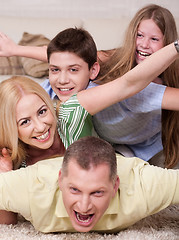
point(84, 219)
point(143, 54)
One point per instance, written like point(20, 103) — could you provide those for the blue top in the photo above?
point(134, 122)
point(46, 85)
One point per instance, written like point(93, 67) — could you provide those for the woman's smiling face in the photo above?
point(35, 122)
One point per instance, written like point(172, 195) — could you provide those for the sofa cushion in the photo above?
point(11, 65)
point(33, 67)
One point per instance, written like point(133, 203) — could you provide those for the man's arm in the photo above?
point(160, 187)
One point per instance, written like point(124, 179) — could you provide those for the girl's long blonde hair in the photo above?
point(123, 60)
point(11, 91)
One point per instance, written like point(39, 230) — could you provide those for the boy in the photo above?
point(72, 72)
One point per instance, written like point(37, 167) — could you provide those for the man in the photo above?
point(96, 193)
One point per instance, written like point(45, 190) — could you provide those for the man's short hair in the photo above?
point(91, 151)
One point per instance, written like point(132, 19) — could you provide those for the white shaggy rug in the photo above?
point(161, 226)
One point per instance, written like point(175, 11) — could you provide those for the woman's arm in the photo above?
point(101, 97)
point(9, 48)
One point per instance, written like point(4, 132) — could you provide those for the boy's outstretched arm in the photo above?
point(103, 96)
point(9, 48)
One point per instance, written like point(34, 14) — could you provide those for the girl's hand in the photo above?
point(5, 161)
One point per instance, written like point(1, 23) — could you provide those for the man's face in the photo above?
point(86, 194)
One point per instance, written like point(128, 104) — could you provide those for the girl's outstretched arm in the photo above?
point(9, 48)
point(101, 97)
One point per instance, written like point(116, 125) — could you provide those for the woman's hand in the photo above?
point(5, 161)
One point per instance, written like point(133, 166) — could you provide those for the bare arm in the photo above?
point(9, 48)
point(170, 99)
point(100, 97)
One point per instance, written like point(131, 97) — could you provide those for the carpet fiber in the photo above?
point(163, 225)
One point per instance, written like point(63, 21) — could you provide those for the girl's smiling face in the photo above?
point(149, 39)
point(35, 122)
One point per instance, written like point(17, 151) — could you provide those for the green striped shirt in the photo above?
point(74, 121)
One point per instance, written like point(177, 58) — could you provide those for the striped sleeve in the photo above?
point(74, 121)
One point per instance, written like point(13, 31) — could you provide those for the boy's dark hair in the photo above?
point(91, 151)
point(77, 41)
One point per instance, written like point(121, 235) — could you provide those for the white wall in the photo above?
point(80, 8)
point(106, 20)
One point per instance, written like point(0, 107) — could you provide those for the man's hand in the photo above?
point(5, 161)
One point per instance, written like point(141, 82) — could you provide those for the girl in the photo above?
point(136, 122)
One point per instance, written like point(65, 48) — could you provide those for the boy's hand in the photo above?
point(5, 161)
point(7, 46)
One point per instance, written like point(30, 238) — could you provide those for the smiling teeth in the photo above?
point(143, 54)
point(64, 89)
point(42, 137)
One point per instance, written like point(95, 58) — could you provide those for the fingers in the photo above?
point(5, 153)
point(6, 163)
point(2, 35)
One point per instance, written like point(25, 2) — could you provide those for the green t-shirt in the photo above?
point(74, 121)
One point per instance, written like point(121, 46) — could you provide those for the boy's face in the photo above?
point(68, 74)
point(86, 194)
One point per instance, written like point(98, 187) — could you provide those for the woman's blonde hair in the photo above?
point(123, 60)
point(11, 91)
